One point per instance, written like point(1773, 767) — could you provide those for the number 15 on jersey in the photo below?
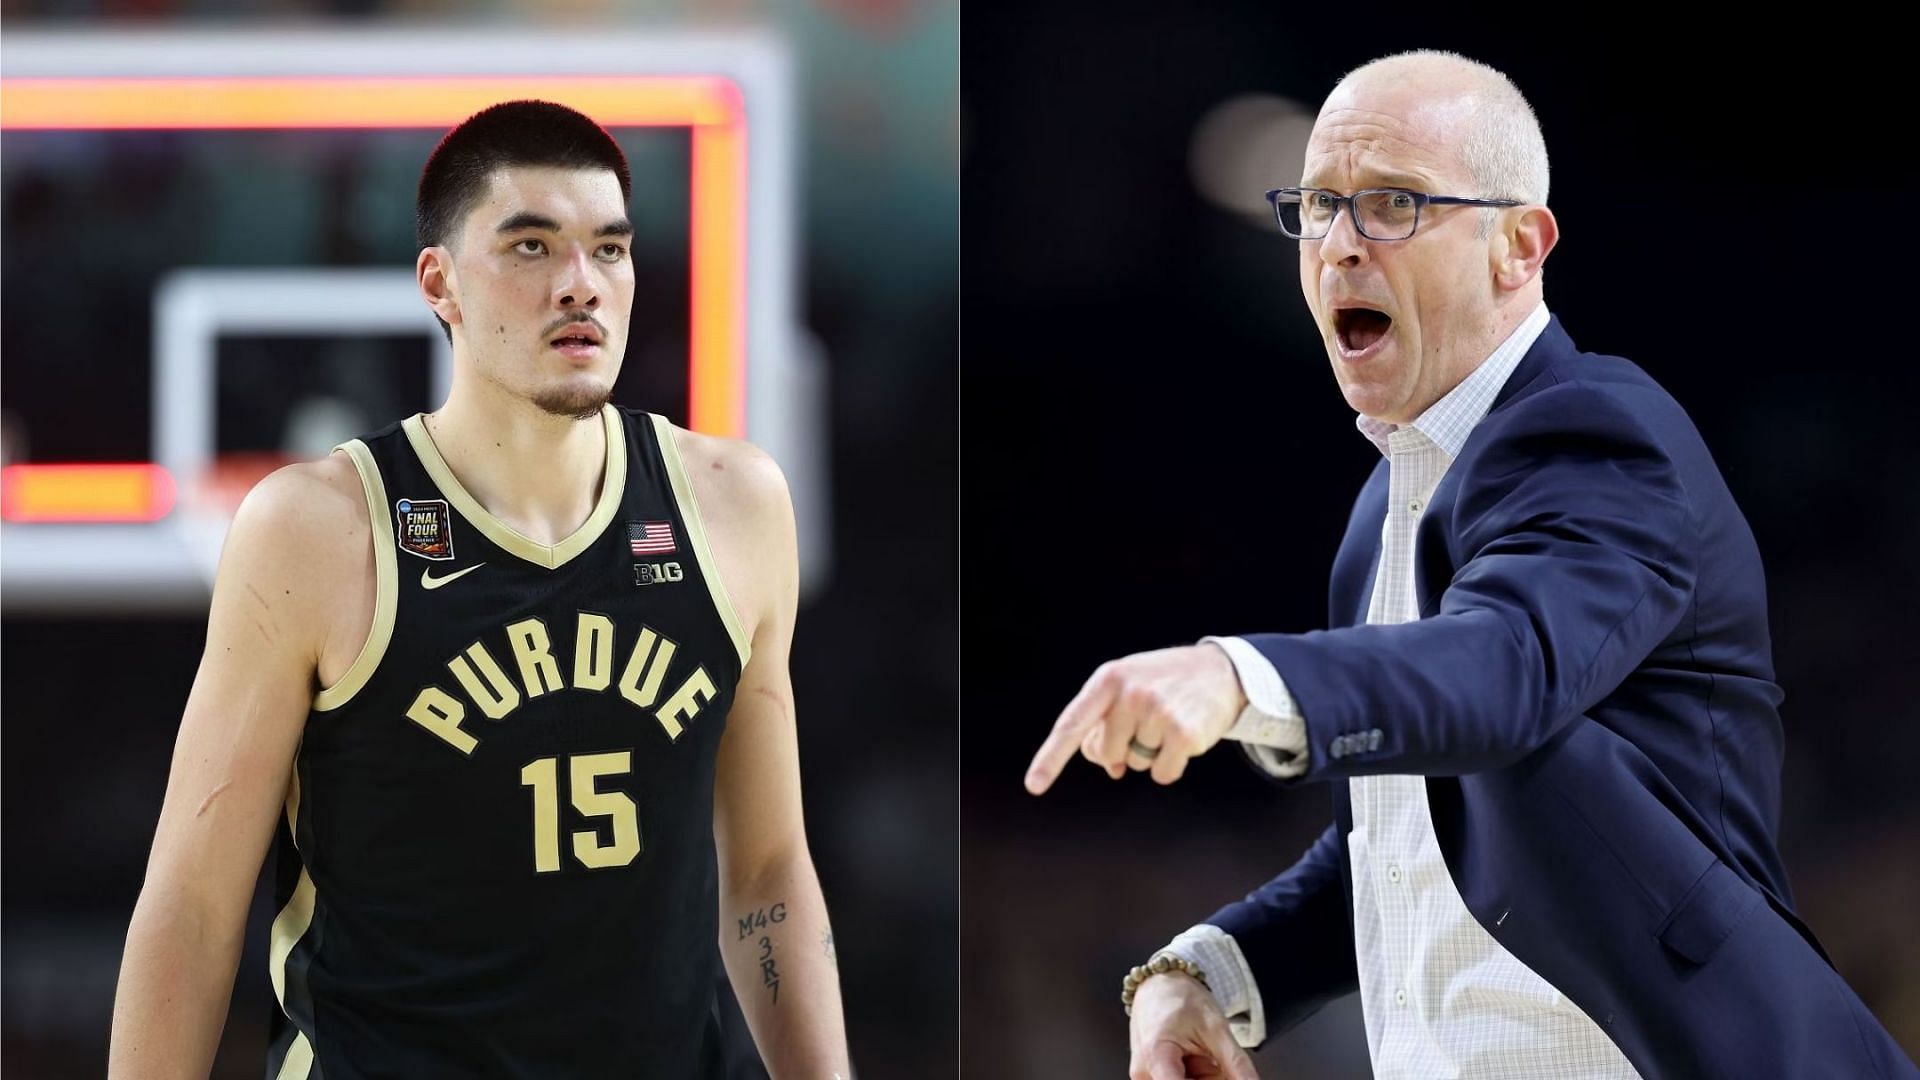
point(543, 776)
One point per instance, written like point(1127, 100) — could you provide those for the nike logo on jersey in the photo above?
point(428, 581)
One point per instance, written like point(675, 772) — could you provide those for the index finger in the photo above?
point(1084, 711)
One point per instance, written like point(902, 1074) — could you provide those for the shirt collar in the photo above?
point(1450, 420)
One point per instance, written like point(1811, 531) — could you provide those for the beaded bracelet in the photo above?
point(1159, 965)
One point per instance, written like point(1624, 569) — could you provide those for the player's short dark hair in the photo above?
point(525, 133)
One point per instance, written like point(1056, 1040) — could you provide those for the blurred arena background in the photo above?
point(197, 299)
point(1155, 448)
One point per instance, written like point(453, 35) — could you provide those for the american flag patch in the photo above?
point(651, 537)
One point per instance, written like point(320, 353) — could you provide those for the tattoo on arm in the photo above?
point(826, 943)
point(769, 974)
point(756, 922)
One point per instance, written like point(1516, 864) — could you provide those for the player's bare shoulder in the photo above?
point(748, 512)
point(302, 539)
point(733, 476)
point(302, 513)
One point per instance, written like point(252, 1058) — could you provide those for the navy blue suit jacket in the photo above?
point(1589, 692)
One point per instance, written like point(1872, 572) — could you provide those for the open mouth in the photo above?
point(1360, 329)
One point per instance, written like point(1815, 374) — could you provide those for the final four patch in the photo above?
point(424, 528)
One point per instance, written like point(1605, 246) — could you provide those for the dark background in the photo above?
point(1155, 447)
point(91, 704)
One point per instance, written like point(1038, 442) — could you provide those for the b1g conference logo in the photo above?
point(656, 573)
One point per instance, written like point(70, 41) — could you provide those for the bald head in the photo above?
point(1460, 110)
point(1404, 320)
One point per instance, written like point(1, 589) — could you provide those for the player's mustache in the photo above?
point(587, 320)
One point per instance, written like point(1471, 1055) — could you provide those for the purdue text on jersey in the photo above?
point(496, 695)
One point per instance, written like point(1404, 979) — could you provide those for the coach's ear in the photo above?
point(434, 271)
point(1519, 250)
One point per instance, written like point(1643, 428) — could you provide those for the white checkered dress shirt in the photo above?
point(1441, 997)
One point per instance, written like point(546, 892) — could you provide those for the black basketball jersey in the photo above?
point(498, 857)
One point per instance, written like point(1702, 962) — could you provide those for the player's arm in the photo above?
point(295, 538)
point(774, 933)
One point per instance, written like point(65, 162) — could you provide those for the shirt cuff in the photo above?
point(1214, 951)
point(1270, 728)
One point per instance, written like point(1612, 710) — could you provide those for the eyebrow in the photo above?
point(526, 219)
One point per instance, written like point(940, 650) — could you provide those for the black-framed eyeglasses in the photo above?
point(1379, 213)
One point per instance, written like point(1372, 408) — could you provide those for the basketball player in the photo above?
point(503, 676)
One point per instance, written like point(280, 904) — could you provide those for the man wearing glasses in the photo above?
point(1546, 707)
